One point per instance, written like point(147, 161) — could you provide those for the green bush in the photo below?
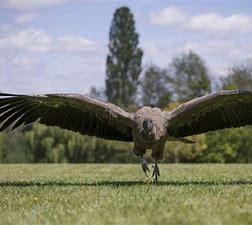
point(229, 146)
point(41, 144)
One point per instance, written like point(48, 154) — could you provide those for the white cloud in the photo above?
point(30, 40)
point(212, 22)
point(208, 22)
point(216, 47)
point(25, 18)
point(31, 4)
point(51, 74)
point(75, 44)
point(168, 16)
point(149, 49)
point(4, 28)
point(34, 40)
point(220, 49)
point(158, 52)
point(24, 61)
point(32, 61)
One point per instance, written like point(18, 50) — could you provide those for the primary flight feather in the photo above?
point(148, 127)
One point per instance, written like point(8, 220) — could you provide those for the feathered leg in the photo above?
point(144, 165)
point(155, 173)
point(143, 162)
point(157, 155)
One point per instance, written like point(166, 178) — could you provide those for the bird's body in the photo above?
point(153, 136)
point(148, 127)
point(149, 136)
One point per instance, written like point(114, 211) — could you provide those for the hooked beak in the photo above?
point(148, 127)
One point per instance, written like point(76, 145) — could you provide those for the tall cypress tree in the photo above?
point(124, 59)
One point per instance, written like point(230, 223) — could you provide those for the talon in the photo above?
point(148, 180)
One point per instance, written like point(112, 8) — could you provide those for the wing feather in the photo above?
point(212, 112)
point(68, 111)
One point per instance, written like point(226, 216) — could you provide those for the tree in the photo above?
point(229, 146)
point(55, 145)
point(124, 59)
point(97, 93)
point(155, 87)
point(190, 76)
point(239, 77)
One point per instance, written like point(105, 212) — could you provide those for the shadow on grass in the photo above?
point(121, 183)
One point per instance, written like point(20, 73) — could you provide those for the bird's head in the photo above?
point(148, 127)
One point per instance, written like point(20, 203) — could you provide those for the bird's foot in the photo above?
point(149, 180)
point(155, 173)
point(144, 165)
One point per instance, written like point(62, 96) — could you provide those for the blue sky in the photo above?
point(61, 45)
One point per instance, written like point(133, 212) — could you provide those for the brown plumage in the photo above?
point(148, 127)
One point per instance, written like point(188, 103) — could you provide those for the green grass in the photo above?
point(117, 194)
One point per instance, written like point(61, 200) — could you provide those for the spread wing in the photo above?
point(212, 112)
point(68, 111)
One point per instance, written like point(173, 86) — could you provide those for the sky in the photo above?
point(60, 46)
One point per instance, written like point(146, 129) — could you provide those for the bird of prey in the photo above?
point(148, 127)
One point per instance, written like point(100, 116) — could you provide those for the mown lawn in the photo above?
point(117, 194)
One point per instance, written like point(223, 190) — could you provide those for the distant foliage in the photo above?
point(124, 59)
point(229, 146)
point(97, 93)
point(41, 144)
point(176, 152)
point(13, 149)
point(155, 87)
point(239, 77)
point(190, 76)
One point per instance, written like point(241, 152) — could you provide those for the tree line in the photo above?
point(128, 85)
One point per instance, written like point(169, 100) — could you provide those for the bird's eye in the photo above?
point(146, 122)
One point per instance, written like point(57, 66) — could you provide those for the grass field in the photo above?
point(117, 194)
